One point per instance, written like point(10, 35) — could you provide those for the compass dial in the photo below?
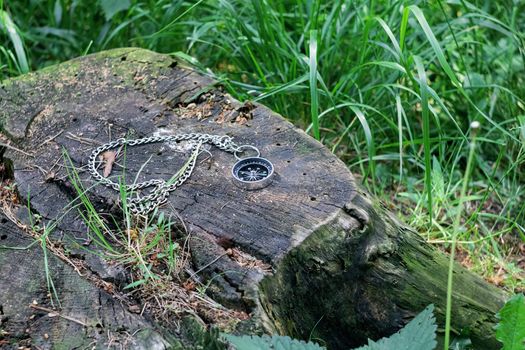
point(253, 173)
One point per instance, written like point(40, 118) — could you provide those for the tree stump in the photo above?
point(311, 254)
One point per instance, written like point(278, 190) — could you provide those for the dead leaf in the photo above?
point(50, 176)
point(241, 119)
point(109, 158)
point(134, 308)
point(133, 234)
point(188, 285)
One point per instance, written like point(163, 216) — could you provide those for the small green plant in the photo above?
point(41, 235)
point(418, 334)
point(40, 231)
point(143, 243)
point(511, 327)
point(265, 342)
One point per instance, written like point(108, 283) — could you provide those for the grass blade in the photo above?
point(7, 23)
point(435, 44)
point(456, 227)
point(426, 132)
point(314, 96)
point(369, 141)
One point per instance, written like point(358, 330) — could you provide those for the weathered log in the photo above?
point(343, 268)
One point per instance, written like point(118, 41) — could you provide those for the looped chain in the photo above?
point(159, 195)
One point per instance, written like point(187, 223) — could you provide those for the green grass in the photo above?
point(391, 87)
point(135, 242)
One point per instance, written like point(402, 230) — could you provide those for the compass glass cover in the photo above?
point(252, 169)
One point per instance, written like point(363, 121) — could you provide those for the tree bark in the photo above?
point(326, 260)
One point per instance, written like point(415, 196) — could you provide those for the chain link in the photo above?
point(145, 204)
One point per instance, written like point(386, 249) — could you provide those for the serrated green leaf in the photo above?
point(511, 327)
point(250, 342)
point(112, 7)
point(418, 334)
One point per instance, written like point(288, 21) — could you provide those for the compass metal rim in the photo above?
point(256, 184)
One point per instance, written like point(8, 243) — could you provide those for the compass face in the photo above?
point(254, 172)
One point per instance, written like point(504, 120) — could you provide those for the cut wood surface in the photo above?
point(340, 266)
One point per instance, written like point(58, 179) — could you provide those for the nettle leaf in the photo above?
point(511, 327)
point(247, 342)
point(418, 334)
point(112, 7)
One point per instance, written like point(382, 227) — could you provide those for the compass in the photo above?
point(252, 173)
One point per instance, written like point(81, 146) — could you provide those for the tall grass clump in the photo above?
point(390, 86)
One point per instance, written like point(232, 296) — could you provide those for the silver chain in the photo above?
point(159, 195)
